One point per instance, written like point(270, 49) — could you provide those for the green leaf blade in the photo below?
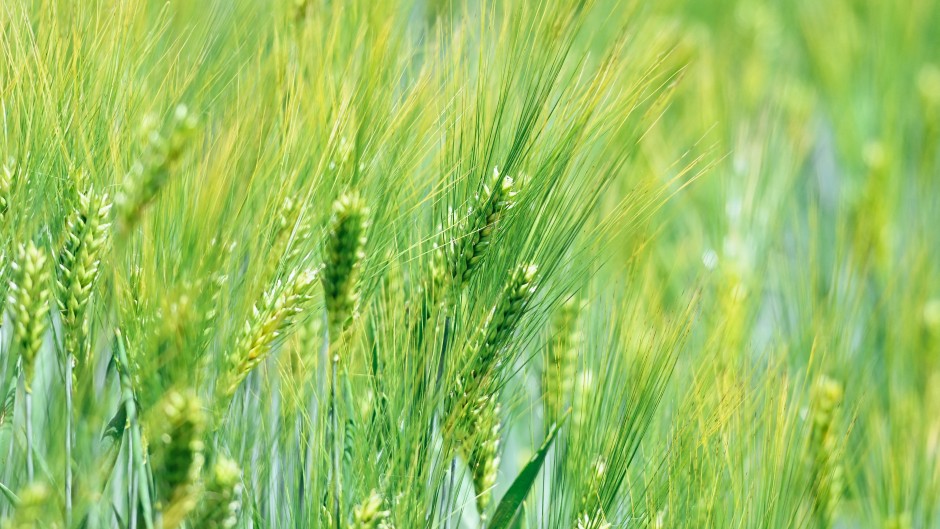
point(512, 501)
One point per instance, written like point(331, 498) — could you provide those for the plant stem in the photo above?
point(68, 440)
point(445, 494)
point(336, 449)
point(336, 446)
point(137, 451)
point(28, 402)
point(445, 344)
point(6, 475)
point(132, 497)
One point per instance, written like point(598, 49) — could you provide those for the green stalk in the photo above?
point(336, 444)
point(28, 403)
point(68, 440)
point(132, 493)
point(139, 467)
point(449, 485)
point(452, 471)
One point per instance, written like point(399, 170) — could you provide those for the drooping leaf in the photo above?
point(10, 495)
point(509, 505)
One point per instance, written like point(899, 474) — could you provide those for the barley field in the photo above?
point(444, 264)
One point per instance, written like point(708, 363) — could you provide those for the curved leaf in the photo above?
point(509, 506)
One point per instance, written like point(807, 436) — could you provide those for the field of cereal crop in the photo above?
point(445, 264)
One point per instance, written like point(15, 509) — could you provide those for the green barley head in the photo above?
point(581, 395)
point(434, 284)
point(369, 514)
point(483, 459)
point(288, 235)
point(477, 231)
point(222, 497)
point(176, 444)
point(470, 391)
point(78, 262)
point(33, 510)
point(592, 487)
point(29, 298)
point(827, 472)
point(437, 279)
point(160, 156)
point(586, 521)
point(561, 360)
point(504, 317)
point(277, 312)
point(344, 254)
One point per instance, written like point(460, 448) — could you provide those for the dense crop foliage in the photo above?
point(370, 264)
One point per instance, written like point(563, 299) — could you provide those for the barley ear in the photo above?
point(277, 312)
point(592, 487)
point(499, 326)
point(6, 199)
point(827, 472)
point(33, 509)
point(561, 360)
point(369, 514)
point(581, 395)
point(483, 355)
point(344, 254)
point(477, 231)
point(585, 521)
point(177, 454)
point(483, 458)
point(78, 265)
point(161, 154)
point(29, 298)
point(222, 497)
point(287, 236)
point(437, 280)
point(590, 514)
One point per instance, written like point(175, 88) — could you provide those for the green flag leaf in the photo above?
point(509, 506)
